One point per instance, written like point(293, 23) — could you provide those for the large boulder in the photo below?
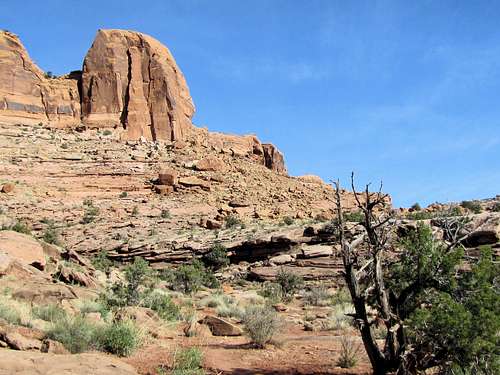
point(221, 327)
point(22, 247)
point(273, 158)
point(14, 362)
point(27, 94)
point(130, 79)
point(484, 230)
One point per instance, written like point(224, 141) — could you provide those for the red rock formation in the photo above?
point(131, 79)
point(26, 95)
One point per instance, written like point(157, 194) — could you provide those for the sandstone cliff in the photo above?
point(129, 82)
point(26, 95)
point(131, 79)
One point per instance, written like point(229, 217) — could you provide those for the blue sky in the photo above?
point(399, 91)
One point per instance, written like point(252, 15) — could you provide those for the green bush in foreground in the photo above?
point(76, 334)
point(261, 324)
point(188, 362)
point(49, 313)
point(190, 278)
point(120, 338)
point(217, 257)
point(163, 305)
point(10, 315)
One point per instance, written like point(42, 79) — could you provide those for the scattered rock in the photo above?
point(23, 248)
point(7, 188)
point(168, 177)
point(194, 182)
point(220, 327)
point(210, 163)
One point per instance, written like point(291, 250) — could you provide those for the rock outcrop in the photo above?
point(27, 95)
point(131, 79)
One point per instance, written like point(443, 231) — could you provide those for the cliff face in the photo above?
point(26, 95)
point(129, 81)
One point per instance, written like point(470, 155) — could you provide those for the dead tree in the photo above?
point(375, 239)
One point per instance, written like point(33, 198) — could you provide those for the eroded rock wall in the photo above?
point(131, 79)
point(26, 95)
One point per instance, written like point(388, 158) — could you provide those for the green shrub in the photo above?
point(316, 296)
point(496, 207)
point(135, 211)
point(420, 215)
point(188, 362)
point(355, 217)
point(217, 257)
point(288, 220)
point(165, 214)
point(261, 324)
point(90, 212)
point(76, 334)
point(120, 338)
point(49, 313)
point(10, 315)
point(233, 221)
point(123, 194)
point(131, 291)
point(415, 207)
point(290, 283)
point(107, 132)
point(342, 296)
point(349, 351)
point(271, 291)
point(163, 305)
point(21, 228)
point(473, 206)
point(50, 234)
point(190, 278)
point(102, 262)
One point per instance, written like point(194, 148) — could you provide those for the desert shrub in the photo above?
point(163, 305)
point(49, 75)
point(342, 296)
point(64, 146)
point(102, 262)
point(288, 220)
point(50, 234)
point(90, 211)
point(420, 215)
point(190, 278)
point(121, 338)
point(289, 282)
point(473, 206)
point(129, 293)
point(123, 194)
point(107, 132)
point(75, 333)
point(340, 318)
point(416, 207)
point(166, 274)
point(188, 362)
point(165, 214)
point(9, 314)
point(349, 351)
point(261, 324)
point(20, 227)
point(217, 257)
point(271, 291)
point(93, 306)
point(49, 313)
point(230, 311)
point(355, 216)
point(316, 296)
point(233, 221)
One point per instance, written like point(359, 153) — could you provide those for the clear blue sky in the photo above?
point(403, 91)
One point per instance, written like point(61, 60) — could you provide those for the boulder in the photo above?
point(221, 327)
point(131, 80)
point(22, 247)
point(168, 176)
point(53, 347)
point(484, 230)
point(210, 164)
point(164, 189)
point(194, 182)
point(281, 259)
point(30, 363)
point(8, 188)
point(314, 251)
